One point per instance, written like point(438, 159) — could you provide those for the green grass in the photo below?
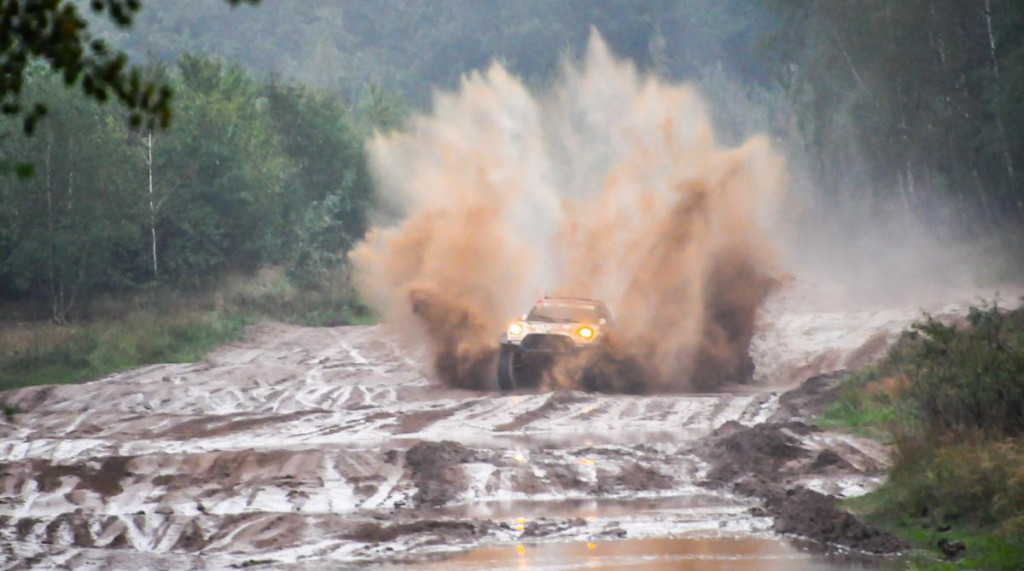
point(986, 549)
point(860, 410)
point(270, 294)
point(164, 326)
point(101, 348)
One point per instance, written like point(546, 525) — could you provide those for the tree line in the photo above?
point(912, 108)
point(919, 103)
point(253, 172)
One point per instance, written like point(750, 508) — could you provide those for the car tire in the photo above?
point(506, 368)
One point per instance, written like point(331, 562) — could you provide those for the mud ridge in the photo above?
point(438, 530)
point(431, 465)
point(768, 461)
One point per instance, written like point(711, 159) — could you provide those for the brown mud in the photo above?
point(311, 447)
point(766, 461)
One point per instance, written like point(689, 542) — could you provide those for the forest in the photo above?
point(252, 174)
point(913, 108)
point(917, 102)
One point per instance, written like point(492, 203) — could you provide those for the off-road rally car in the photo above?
point(556, 328)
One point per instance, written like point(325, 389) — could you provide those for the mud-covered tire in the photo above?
point(506, 368)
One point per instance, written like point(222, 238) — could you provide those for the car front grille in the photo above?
point(547, 342)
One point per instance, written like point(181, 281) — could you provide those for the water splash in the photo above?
point(610, 186)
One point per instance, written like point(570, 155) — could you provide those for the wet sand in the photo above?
point(293, 447)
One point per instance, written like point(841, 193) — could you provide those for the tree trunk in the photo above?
point(152, 203)
point(991, 39)
point(1007, 158)
point(51, 238)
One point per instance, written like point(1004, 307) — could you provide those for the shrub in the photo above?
point(973, 480)
point(968, 379)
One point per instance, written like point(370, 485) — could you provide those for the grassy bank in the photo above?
point(950, 399)
point(163, 326)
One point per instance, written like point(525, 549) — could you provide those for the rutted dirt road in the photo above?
point(309, 446)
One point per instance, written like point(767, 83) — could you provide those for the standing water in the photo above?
point(662, 554)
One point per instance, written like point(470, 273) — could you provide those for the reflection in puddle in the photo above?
point(655, 554)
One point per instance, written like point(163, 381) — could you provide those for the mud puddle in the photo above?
point(663, 554)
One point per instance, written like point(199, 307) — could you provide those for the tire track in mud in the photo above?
point(285, 446)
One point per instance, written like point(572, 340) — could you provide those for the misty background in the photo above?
point(902, 124)
point(916, 98)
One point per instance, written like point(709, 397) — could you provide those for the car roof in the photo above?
point(569, 301)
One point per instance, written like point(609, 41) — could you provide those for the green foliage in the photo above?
point(973, 481)
point(382, 108)
point(906, 109)
point(985, 549)
point(273, 294)
point(163, 325)
point(55, 31)
point(964, 380)
point(331, 183)
point(973, 491)
point(67, 232)
point(863, 407)
point(918, 100)
point(104, 347)
point(950, 399)
point(946, 380)
point(255, 173)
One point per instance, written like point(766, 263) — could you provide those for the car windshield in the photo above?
point(566, 313)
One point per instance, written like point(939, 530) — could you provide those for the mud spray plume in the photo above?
point(610, 186)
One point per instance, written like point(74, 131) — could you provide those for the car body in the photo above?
point(556, 326)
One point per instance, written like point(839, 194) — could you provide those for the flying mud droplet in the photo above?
point(609, 186)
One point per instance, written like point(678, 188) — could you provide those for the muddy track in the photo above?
point(305, 446)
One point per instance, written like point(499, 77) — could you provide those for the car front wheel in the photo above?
point(507, 364)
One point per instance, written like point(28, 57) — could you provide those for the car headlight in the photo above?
point(515, 330)
point(586, 333)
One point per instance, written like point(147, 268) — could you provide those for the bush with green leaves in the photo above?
point(254, 174)
point(965, 379)
point(954, 411)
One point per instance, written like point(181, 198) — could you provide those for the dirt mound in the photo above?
point(830, 460)
point(542, 527)
point(807, 513)
point(635, 477)
point(192, 538)
point(435, 471)
point(764, 450)
point(104, 478)
point(758, 461)
point(442, 531)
